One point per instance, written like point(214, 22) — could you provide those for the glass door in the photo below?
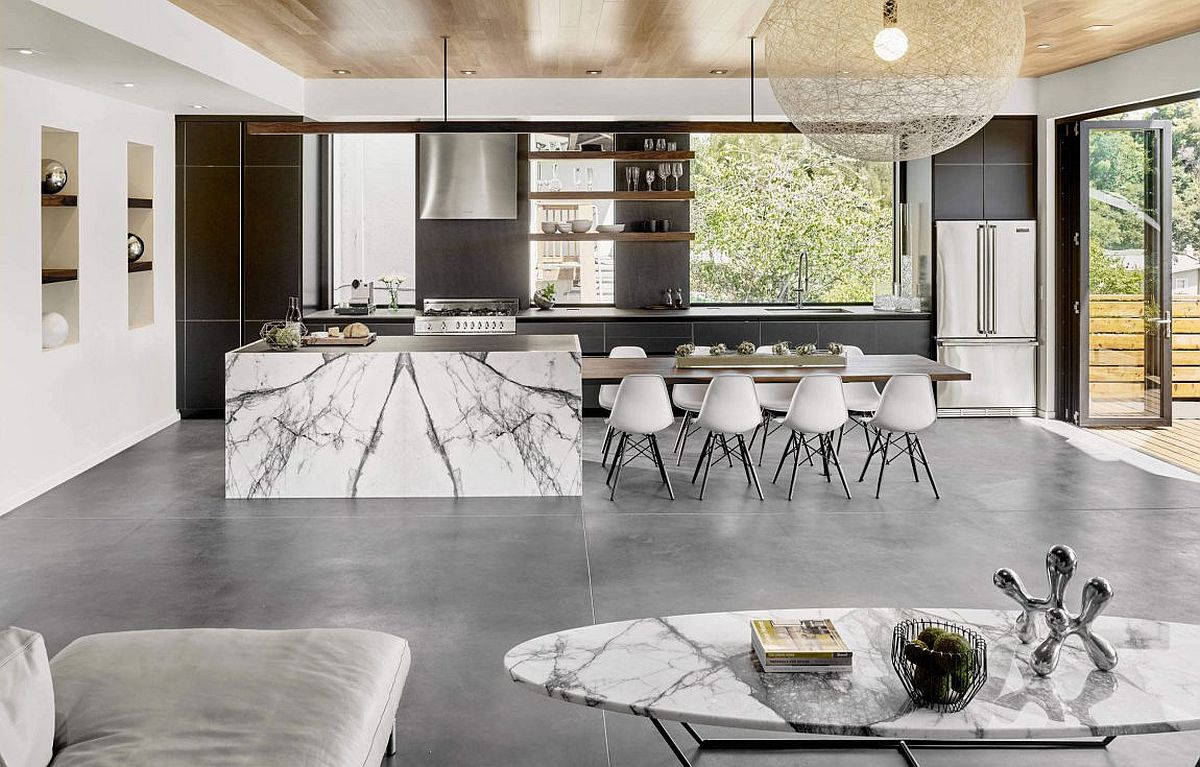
point(1125, 270)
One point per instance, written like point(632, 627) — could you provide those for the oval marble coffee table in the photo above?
point(698, 669)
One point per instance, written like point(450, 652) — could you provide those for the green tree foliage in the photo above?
point(761, 200)
point(1107, 273)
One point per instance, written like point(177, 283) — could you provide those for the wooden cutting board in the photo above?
point(310, 341)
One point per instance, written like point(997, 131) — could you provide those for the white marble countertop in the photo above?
point(411, 344)
point(698, 669)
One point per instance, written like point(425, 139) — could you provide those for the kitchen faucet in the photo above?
point(802, 279)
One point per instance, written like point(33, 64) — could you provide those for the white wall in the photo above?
point(66, 409)
point(1159, 71)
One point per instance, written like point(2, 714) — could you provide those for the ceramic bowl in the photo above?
point(581, 225)
point(610, 228)
point(564, 227)
point(549, 227)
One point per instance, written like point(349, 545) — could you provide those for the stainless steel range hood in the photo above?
point(468, 175)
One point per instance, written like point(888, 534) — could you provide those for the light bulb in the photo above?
point(891, 43)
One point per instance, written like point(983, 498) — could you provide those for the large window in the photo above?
point(374, 210)
point(762, 200)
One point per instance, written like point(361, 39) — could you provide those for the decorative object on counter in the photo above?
point(55, 330)
point(544, 296)
point(941, 665)
point(781, 348)
point(1061, 564)
point(678, 298)
point(610, 228)
point(135, 247)
point(282, 336)
point(391, 283)
point(54, 176)
point(961, 53)
point(720, 357)
point(806, 349)
point(716, 350)
point(746, 348)
point(354, 334)
point(834, 348)
point(294, 316)
point(685, 350)
point(668, 299)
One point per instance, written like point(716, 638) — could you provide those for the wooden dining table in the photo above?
point(869, 367)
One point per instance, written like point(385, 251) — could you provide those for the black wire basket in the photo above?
point(941, 681)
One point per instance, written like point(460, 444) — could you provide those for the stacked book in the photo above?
point(801, 645)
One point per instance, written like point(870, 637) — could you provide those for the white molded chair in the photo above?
point(774, 399)
point(608, 392)
point(688, 398)
point(817, 410)
point(862, 399)
point(642, 409)
point(906, 408)
point(730, 409)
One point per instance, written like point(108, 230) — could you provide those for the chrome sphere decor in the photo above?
point(1061, 564)
point(136, 247)
point(890, 80)
point(54, 176)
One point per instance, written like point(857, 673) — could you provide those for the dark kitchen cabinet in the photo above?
point(991, 175)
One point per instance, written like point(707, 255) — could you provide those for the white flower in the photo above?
point(393, 279)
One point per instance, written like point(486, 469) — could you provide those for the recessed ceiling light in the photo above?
point(1097, 27)
point(468, 72)
point(199, 106)
point(1044, 46)
point(26, 51)
point(718, 71)
point(594, 71)
point(127, 85)
point(341, 71)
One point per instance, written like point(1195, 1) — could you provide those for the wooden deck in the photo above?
point(1178, 444)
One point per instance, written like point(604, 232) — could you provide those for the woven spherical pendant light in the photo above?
point(892, 79)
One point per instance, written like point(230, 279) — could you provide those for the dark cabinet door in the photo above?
point(1009, 192)
point(958, 192)
point(1009, 140)
point(272, 225)
point(654, 337)
point(730, 333)
point(212, 221)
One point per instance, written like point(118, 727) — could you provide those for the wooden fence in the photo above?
point(1117, 339)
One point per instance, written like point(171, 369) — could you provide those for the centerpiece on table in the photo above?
point(746, 355)
point(391, 283)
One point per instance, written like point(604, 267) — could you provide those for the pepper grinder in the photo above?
point(678, 302)
point(669, 302)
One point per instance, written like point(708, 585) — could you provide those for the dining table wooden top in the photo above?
point(868, 367)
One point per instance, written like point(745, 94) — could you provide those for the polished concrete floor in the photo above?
point(146, 540)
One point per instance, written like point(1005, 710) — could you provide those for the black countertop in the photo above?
point(474, 343)
point(611, 314)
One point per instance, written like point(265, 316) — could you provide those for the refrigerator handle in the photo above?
point(992, 278)
point(980, 267)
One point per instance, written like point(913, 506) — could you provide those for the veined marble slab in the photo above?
point(698, 669)
point(387, 421)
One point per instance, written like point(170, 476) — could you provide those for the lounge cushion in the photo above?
point(26, 700)
point(229, 697)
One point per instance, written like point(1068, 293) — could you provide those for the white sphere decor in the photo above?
point(891, 80)
point(55, 330)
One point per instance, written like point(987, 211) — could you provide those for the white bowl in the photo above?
point(564, 227)
point(549, 227)
point(581, 225)
point(610, 228)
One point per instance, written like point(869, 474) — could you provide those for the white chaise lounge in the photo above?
point(201, 697)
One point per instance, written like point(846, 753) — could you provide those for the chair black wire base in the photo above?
point(904, 746)
point(825, 450)
point(739, 450)
point(882, 444)
point(642, 445)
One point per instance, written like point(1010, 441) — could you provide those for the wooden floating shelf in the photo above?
point(59, 275)
point(141, 266)
point(615, 236)
point(59, 201)
point(617, 155)
point(141, 202)
point(613, 195)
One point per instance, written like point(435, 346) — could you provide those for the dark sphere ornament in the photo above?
point(54, 176)
point(137, 248)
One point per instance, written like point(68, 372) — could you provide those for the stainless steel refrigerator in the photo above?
point(987, 316)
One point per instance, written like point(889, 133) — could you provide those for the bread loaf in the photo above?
point(356, 330)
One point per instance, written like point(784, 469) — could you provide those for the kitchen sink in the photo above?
point(808, 309)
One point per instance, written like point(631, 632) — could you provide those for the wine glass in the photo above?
point(664, 172)
point(677, 172)
point(649, 180)
point(590, 179)
point(637, 177)
point(578, 175)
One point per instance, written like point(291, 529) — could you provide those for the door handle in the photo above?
point(992, 278)
point(980, 276)
point(1165, 324)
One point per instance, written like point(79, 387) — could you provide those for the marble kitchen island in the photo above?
point(406, 417)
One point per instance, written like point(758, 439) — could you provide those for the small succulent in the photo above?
point(717, 350)
point(835, 348)
point(806, 349)
point(781, 348)
point(746, 347)
point(685, 350)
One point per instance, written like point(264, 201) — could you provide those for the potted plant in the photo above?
point(543, 298)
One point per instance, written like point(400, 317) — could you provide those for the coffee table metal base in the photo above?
point(904, 746)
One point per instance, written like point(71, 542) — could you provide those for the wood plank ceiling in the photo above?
point(622, 38)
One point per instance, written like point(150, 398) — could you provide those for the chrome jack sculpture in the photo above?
point(1061, 563)
point(1060, 566)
